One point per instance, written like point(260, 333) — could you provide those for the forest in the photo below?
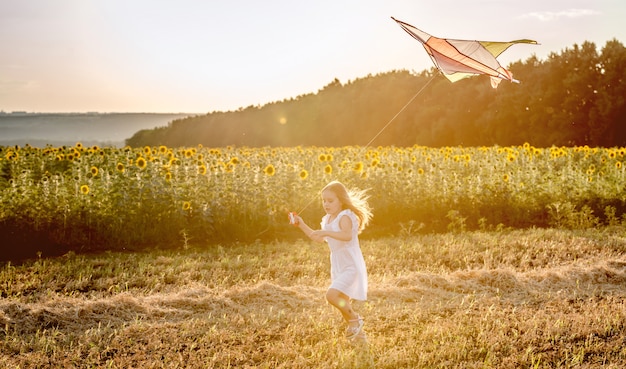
point(574, 97)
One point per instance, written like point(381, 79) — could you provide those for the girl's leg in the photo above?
point(341, 301)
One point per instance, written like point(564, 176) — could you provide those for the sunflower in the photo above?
point(420, 171)
point(141, 163)
point(162, 149)
point(84, 189)
point(328, 169)
point(591, 169)
point(505, 178)
point(186, 206)
point(202, 169)
point(120, 167)
point(168, 176)
point(618, 165)
point(358, 167)
point(304, 174)
point(94, 171)
point(269, 170)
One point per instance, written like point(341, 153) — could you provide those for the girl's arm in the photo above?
point(308, 230)
point(345, 233)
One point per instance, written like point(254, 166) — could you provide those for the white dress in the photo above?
point(347, 266)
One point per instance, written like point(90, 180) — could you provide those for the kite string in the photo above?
point(399, 112)
point(382, 129)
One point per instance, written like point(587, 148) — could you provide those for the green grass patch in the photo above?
point(536, 298)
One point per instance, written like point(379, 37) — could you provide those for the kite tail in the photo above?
point(502, 74)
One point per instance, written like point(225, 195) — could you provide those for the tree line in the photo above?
point(573, 97)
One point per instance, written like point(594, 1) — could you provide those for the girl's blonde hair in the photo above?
point(353, 199)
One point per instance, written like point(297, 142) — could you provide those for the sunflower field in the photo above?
point(106, 198)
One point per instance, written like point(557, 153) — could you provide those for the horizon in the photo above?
point(23, 112)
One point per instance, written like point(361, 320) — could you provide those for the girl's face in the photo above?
point(331, 203)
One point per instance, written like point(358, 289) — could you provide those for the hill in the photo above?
point(574, 97)
point(110, 129)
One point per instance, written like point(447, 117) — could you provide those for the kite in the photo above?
point(458, 59)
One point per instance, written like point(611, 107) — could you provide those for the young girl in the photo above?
point(347, 214)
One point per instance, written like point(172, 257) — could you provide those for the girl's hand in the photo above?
point(317, 236)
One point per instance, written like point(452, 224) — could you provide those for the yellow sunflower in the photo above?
point(269, 170)
point(141, 163)
point(84, 189)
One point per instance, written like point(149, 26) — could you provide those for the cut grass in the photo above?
point(538, 298)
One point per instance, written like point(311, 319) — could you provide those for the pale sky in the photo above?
point(199, 56)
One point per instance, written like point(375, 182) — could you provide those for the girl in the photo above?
point(347, 214)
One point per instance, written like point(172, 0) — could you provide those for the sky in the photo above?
point(201, 56)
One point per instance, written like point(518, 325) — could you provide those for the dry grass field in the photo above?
point(537, 298)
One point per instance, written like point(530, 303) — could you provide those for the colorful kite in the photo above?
point(458, 59)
